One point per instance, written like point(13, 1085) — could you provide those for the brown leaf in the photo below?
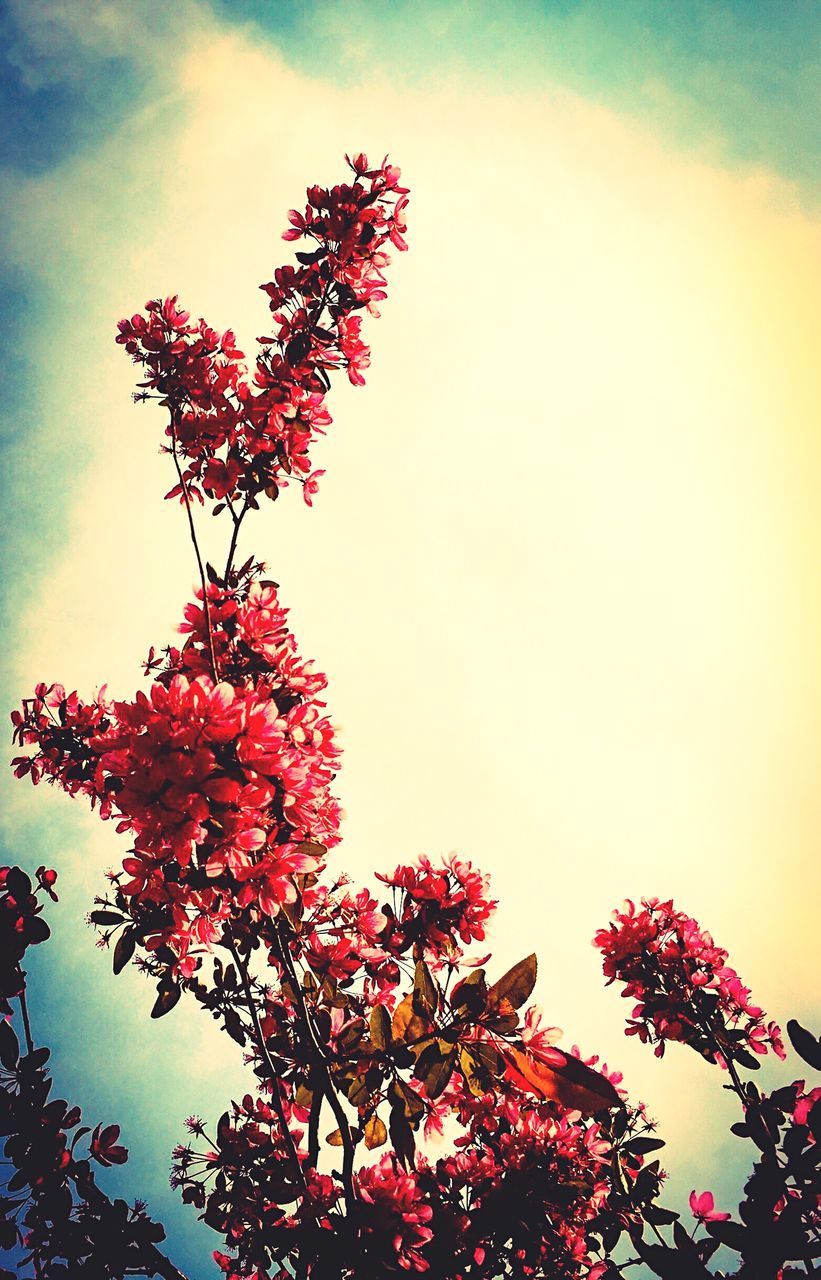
point(380, 1027)
point(376, 1135)
point(401, 1095)
point(407, 1023)
point(574, 1085)
point(516, 985)
point(471, 993)
point(404, 1143)
point(481, 1066)
point(439, 1074)
point(334, 1139)
point(425, 990)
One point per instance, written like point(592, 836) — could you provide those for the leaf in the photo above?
point(407, 1024)
point(481, 1066)
point(334, 1139)
point(516, 985)
point(380, 1027)
point(233, 1025)
point(18, 884)
point(670, 1265)
point(38, 930)
point(376, 1135)
point(307, 259)
point(471, 993)
point(304, 1096)
point(9, 1046)
point(168, 993)
point(425, 989)
point(124, 950)
point(359, 1093)
point(105, 917)
point(573, 1085)
point(730, 1233)
point(404, 1143)
point(662, 1217)
point(298, 348)
point(401, 1095)
point(350, 1037)
point(806, 1045)
point(435, 1066)
point(643, 1146)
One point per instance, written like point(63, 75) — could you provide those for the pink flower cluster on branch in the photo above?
point(224, 787)
point(683, 986)
point(242, 435)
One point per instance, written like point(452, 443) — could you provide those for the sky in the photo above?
point(562, 570)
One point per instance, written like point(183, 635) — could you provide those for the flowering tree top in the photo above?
point(362, 1013)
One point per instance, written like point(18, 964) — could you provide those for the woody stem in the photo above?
point(329, 1090)
point(193, 532)
point(273, 1075)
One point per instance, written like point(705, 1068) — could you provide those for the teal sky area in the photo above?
point(737, 84)
point(733, 85)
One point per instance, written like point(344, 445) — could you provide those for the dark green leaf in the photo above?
point(806, 1045)
point(105, 917)
point(404, 1143)
point(124, 950)
point(18, 884)
point(168, 993)
point(730, 1233)
point(643, 1146)
point(9, 1046)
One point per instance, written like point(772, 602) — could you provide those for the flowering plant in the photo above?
point(365, 1014)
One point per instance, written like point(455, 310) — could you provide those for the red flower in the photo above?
point(104, 1148)
point(703, 1208)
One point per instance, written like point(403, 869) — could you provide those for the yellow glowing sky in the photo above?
point(563, 570)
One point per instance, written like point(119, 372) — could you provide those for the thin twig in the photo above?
point(272, 1071)
point(25, 1013)
point(233, 546)
point(193, 532)
point(330, 1091)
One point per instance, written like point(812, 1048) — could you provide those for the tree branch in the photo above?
point(263, 1050)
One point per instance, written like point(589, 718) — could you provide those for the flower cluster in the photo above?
point(224, 786)
point(527, 1191)
point(683, 986)
point(242, 435)
point(435, 907)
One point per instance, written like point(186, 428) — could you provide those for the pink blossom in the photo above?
point(703, 1208)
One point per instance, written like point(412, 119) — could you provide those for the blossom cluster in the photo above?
point(527, 1192)
point(683, 986)
point(436, 907)
point(242, 435)
point(225, 786)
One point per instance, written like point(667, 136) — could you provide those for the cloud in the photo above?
point(562, 568)
point(57, 40)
